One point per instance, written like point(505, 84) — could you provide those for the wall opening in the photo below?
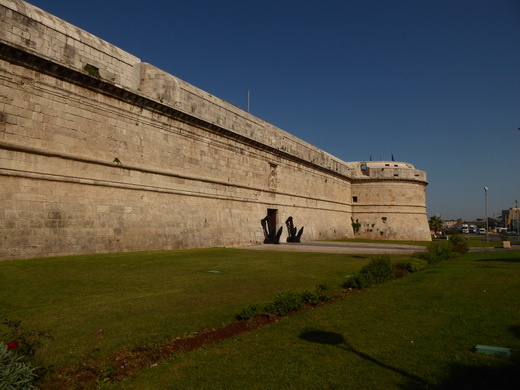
point(364, 169)
point(271, 235)
point(273, 173)
point(272, 214)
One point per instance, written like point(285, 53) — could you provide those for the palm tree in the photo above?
point(435, 223)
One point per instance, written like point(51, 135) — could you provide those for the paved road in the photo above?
point(341, 247)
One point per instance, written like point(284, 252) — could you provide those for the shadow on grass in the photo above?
point(332, 338)
point(515, 330)
point(500, 374)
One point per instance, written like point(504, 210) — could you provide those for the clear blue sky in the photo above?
point(435, 82)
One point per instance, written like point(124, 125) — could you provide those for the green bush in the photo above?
point(504, 236)
point(380, 269)
point(459, 244)
point(437, 251)
point(250, 311)
point(399, 273)
point(360, 280)
point(15, 373)
point(412, 264)
point(323, 292)
point(287, 301)
point(319, 294)
point(377, 271)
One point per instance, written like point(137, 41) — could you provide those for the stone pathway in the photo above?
point(341, 247)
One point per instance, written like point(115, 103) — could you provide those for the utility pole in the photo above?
point(487, 223)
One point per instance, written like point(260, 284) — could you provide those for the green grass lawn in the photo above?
point(415, 332)
point(102, 303)
point(412, 333)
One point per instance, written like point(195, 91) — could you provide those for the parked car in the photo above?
point(481, 231)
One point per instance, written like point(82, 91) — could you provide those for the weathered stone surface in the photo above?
point(100, 152)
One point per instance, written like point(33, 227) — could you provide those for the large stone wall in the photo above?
point(100, 152)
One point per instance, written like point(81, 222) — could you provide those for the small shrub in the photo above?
point(380, 269)
point(319, 294)
point(250, 311)
point(360, 280)
point(412, 264)
point(403, 264)
point(437, 251)
point(377, 271)
point(29, 340)
point(399, 273)
point(285, 302)
point(311, 297)
point(15, 373)
point(323, 292)
point(459, 244)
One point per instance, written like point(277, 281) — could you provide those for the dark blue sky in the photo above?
point(434, 82)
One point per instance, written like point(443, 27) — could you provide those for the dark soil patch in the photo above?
point(89, 372)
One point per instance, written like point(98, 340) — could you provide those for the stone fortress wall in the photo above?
point(100, 152)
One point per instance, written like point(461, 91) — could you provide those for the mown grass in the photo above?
point(412, 333)
point(96, 304)
point(415, 332)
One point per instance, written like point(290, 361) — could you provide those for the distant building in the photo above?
point(511, 218)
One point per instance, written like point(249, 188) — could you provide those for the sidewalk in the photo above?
point(340, 247)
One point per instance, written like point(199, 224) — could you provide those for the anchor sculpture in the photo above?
point(270, 233)
point(293, 236)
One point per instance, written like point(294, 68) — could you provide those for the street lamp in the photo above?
point(487, 223)
point(517, 215)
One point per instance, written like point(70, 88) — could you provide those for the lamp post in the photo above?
point(517, 215)
point(487, 223)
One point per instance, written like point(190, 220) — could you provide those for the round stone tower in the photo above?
point(389, 201)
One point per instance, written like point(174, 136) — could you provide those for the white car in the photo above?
point(481, 231)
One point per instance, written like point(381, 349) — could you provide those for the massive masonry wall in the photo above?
point(100, 152)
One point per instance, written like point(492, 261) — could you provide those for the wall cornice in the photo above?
point(46, 66)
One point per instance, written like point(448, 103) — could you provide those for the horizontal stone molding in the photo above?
point(393, 210)
point(144, 187)
point(83, 79)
